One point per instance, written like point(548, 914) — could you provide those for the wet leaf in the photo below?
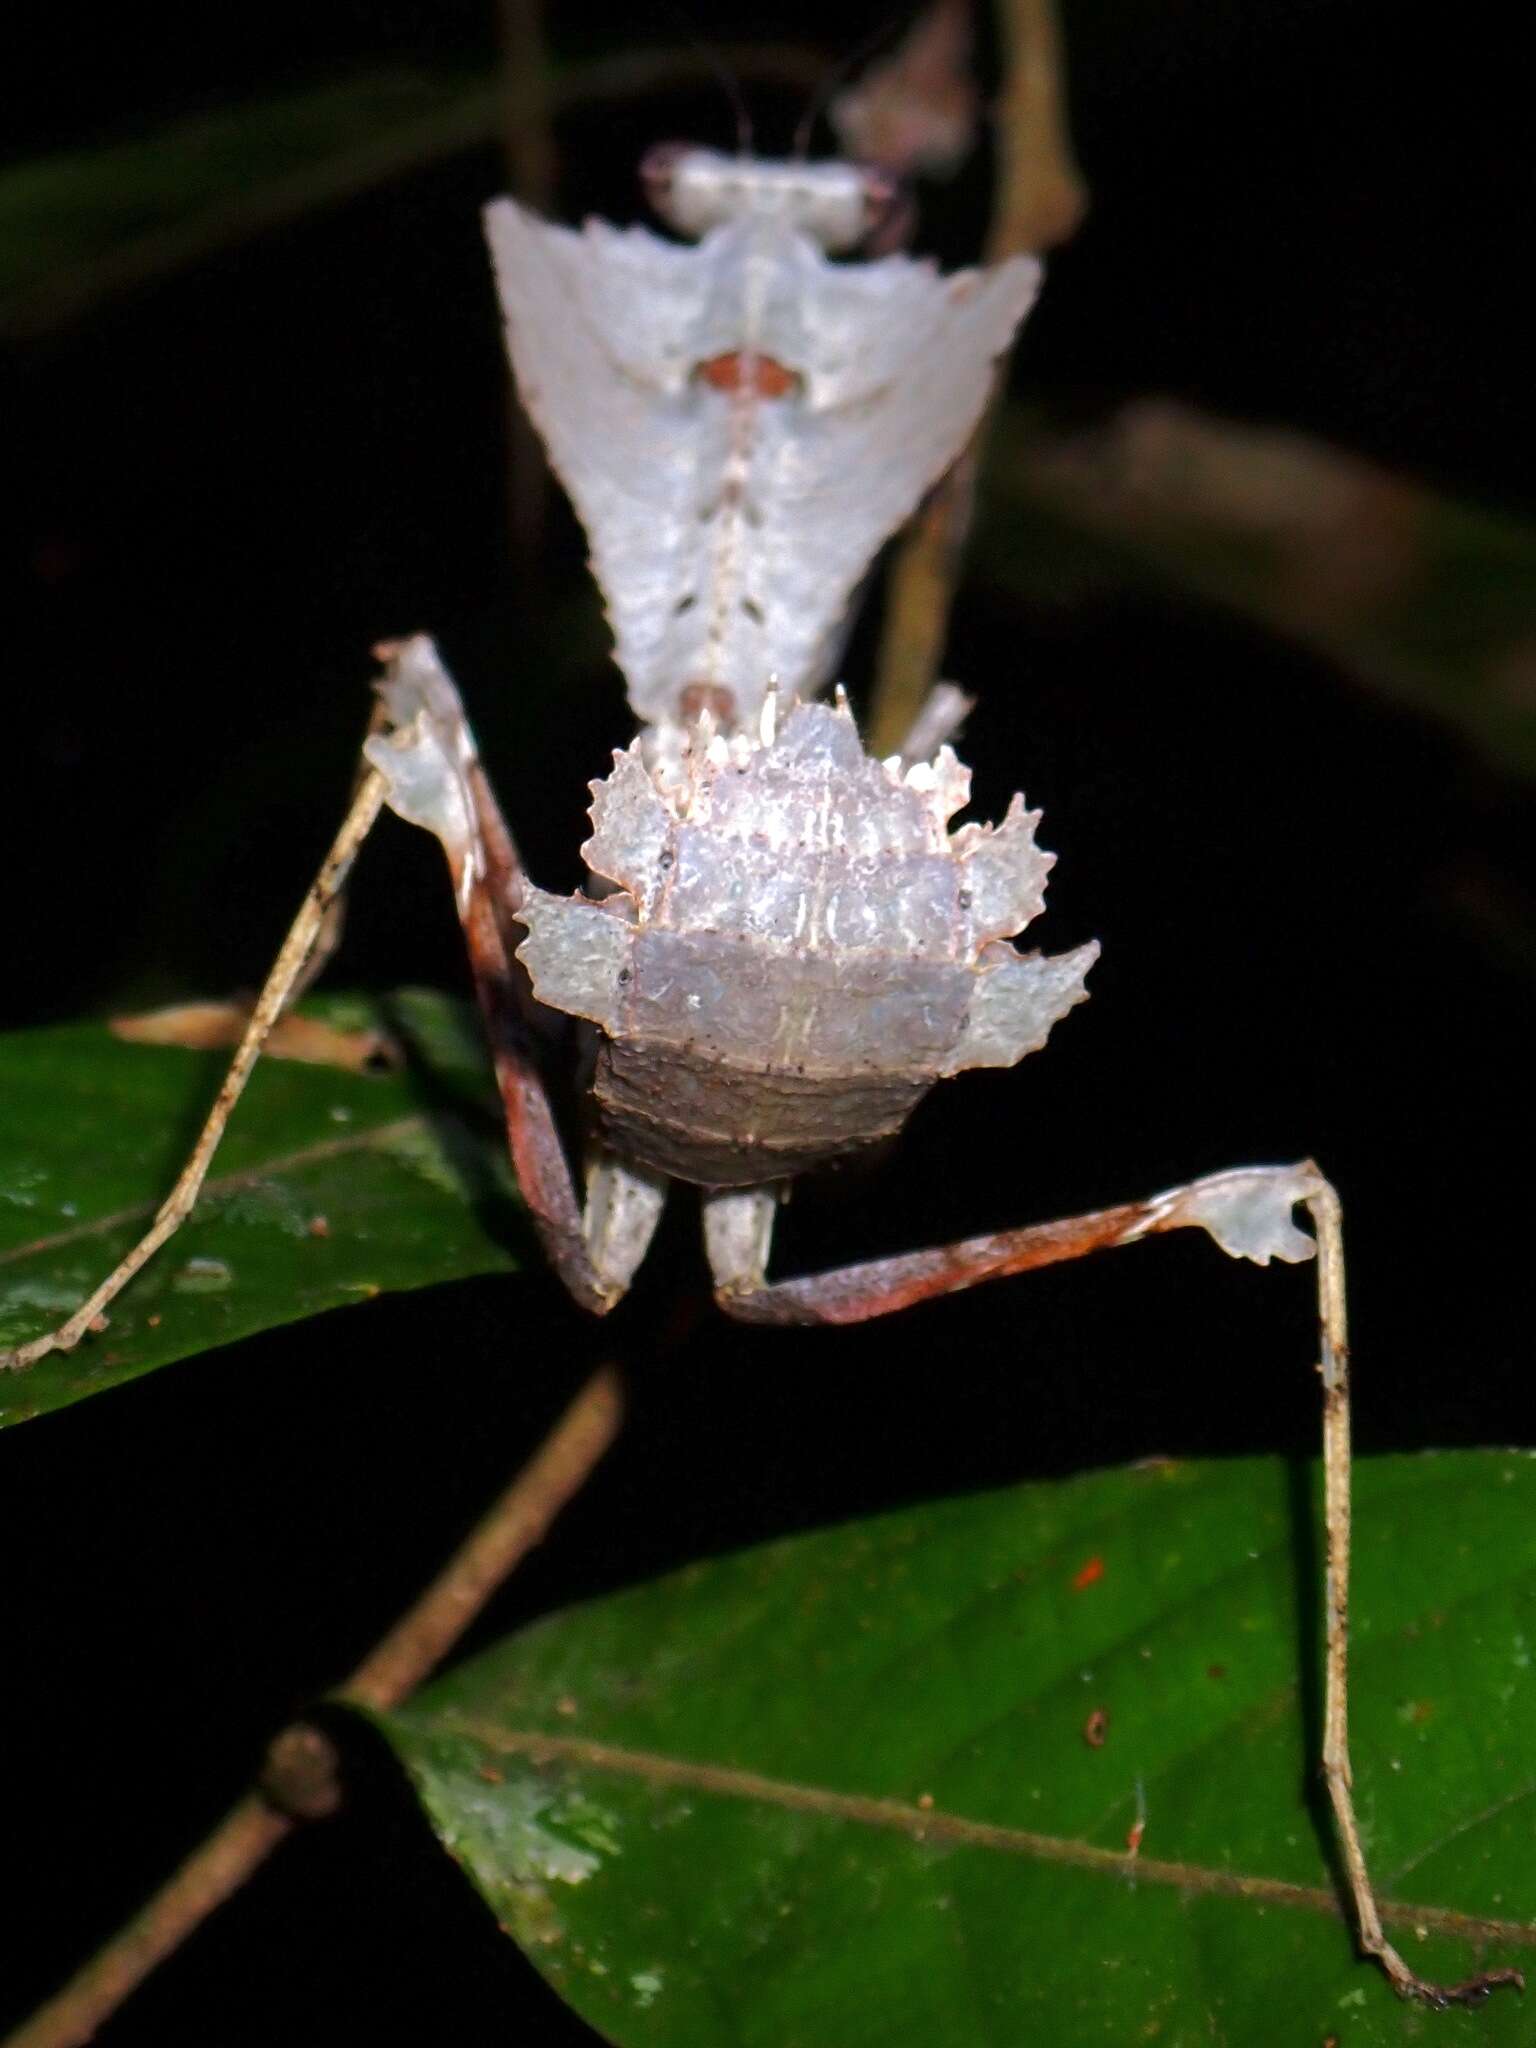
point(330, 1187)
point(876, 1784)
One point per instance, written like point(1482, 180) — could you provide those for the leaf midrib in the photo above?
point(229, 1183)
point(932, 1824)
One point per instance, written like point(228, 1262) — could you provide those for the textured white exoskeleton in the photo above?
point(797, 949)
point(785, 945)
point(741, 424)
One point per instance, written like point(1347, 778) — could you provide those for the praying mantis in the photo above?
point(784, 946)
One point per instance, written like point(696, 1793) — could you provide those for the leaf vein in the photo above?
point(229, 1183)
point(960, 1831)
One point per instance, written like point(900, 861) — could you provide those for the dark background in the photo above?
point(1316, 914)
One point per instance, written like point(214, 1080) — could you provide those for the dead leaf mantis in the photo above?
point(785, 946)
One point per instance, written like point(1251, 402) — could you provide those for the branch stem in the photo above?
point(301, 1771)
point(1040, 200)
point(493, 1549)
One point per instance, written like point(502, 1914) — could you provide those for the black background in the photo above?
point(1316, 914)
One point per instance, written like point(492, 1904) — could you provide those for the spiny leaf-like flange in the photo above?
point(797, 901)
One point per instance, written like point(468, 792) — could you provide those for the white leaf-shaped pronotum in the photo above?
point(740, 426)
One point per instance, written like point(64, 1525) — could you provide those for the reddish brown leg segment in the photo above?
point(490, 885)
point(538, 1157)
point(1248, 1212)
point(434, 779)
point(854, 1294)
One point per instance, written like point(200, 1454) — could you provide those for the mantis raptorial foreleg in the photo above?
point(1248, 1213)
point(593, 1252)
point(432, 767)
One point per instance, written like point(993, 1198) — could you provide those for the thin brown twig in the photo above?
point(1041, 199)
point(528, 144)
point(299, 1782)
point(1041, 193)
point(528, 140)
point(498, 1543)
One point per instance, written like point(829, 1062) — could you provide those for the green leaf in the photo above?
point(329, 1187)
point(1427, 600)
point(77, 227)
point(838, 1789)
point(80, 226)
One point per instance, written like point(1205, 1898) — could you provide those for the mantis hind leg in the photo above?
point(1248, 1213)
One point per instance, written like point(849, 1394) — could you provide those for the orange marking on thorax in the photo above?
point(741, 371)
point(698, 698)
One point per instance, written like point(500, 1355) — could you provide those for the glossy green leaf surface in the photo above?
point(329, 1187)
point(876, 1784)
